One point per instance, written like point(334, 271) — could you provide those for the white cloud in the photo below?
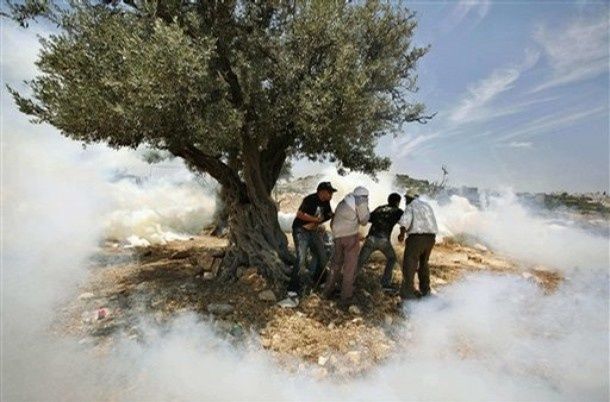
point(407, 145)
point(554, 121)
point(473, 106)
point(483, 92)
point(575, 52)
point(474, 9)
point(517, 144)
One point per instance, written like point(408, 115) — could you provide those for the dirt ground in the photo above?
point(164, 281)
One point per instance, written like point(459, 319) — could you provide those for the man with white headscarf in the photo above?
point(351, 212)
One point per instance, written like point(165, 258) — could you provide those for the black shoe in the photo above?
point(416, 295)
point(294, 287)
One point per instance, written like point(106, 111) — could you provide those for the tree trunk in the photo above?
point(256, 239)
point(220, 226)
point(255, 236)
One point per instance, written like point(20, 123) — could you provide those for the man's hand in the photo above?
point(401, 237)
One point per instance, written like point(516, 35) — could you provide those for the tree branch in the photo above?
point(226, 176)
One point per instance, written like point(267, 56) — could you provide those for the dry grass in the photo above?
point(163, 281)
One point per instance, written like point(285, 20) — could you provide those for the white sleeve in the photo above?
point(406, 219)
point(363, 213)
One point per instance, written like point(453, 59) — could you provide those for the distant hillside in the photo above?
point(597, 204)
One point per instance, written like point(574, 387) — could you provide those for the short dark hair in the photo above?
point(394, 199)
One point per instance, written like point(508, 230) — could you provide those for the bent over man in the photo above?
point(382, 220)
point(351, 212)
point(419, 223)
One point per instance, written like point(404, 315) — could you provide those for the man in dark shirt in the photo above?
point(382, 220)
point(314, 210)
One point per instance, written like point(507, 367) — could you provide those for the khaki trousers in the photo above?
point(417, 253)
point(345, 257)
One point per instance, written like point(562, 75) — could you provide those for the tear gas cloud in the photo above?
point(486, 337)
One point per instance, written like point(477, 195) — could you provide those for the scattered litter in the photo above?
point(289, 302)
point(86, 296)
point(102, 313)
point(322, 360)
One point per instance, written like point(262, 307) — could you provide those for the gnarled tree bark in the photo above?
point(255, 236)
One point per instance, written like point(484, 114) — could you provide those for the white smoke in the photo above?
point(158, 212)
point(511, 228)
point(495, 337)
point(488, 337)
point(485, 338)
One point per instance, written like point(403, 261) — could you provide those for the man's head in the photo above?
point(394, 199)
point(410, 195)
point(325, 191)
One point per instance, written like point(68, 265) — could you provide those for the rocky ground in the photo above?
point(161, 282)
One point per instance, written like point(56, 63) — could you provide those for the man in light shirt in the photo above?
point(419, 223)
point(351, 213)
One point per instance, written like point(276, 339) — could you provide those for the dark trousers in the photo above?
point(307, 240)
point(384, 245)
point(417, 253)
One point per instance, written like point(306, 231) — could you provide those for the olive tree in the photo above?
point(234, 88)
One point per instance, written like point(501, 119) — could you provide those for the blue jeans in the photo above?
point(305, 240)
point(384, 245)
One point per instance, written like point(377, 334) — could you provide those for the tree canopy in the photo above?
point(235, 88)
point(318, 79)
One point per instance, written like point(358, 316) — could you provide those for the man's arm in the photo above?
point(308, 218)
point(405, 222)
point(374, 216)
point(362, 212)
point(307, 205)
point(401, 235)
point(328, 212)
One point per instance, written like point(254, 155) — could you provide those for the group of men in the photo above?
point(418, 230)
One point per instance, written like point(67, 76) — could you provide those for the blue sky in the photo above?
point(521, 91)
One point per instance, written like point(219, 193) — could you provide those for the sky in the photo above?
point(521, 92)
